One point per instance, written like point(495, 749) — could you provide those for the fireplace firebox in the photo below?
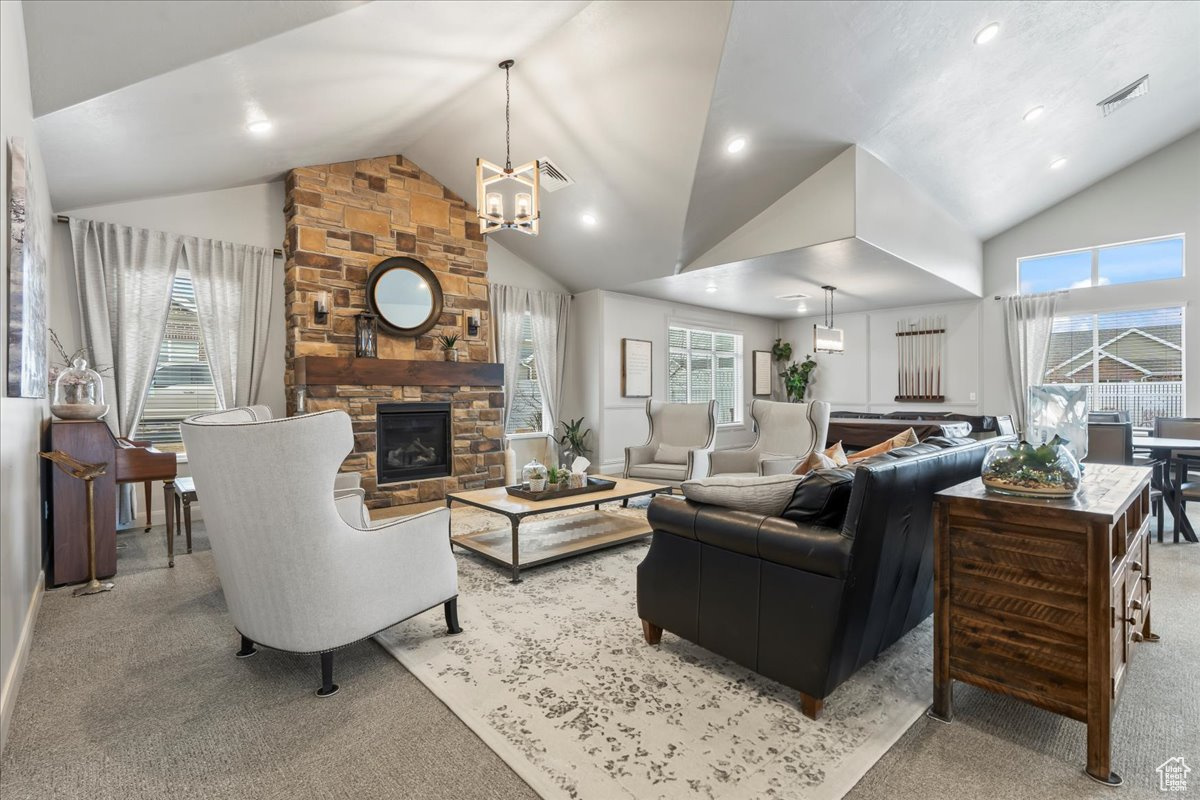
point(412, 441)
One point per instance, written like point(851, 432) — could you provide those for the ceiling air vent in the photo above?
point(1114, 101)
point(552, 178)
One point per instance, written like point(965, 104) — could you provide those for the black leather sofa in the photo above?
point(804, 605)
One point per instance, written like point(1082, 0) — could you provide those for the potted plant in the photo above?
point(781, 350)
point(449, 342)
point(796, 378)
point(573, 440)
point(556, 477)
point(537, 479)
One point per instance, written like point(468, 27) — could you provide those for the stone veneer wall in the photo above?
point(342, 220)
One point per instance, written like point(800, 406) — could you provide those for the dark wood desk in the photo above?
point(1044, 600)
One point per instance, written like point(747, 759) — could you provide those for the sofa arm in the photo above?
point(640, 454)
point(699, 463)
point(824, 551)
point(724, 461)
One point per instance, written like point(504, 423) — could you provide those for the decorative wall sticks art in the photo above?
point(919, 346)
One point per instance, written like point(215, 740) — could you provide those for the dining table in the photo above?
point(1164, 449)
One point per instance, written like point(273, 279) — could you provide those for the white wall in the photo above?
point(24, 420)
point(246, 215)
point(506, 267)
point(864, 378)
point(1156, 196)
point(600, 321)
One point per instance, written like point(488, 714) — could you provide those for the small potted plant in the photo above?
point(449, 343)
point(537, 479)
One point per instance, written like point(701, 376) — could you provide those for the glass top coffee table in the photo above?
point(552, 539)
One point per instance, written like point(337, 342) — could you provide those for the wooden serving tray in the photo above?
point(522, 490)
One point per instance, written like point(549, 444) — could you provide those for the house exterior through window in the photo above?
point(706, 365)
point(528, 412)
point(1132, 360)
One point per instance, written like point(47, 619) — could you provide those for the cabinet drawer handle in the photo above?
point(1135, 566)
point(1135, 637)
point(1131, 620)
point(1136, 605)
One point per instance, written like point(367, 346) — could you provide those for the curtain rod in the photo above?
point(1055, 291)
point(64, 218)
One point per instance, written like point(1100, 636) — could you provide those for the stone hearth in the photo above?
point(342, 220)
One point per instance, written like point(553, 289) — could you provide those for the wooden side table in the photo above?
point(1044, 600)
point(185, 495)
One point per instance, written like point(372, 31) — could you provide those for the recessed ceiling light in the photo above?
point(987, 33)
point(800, 309)
point(259, 126)
point(711, 288)
point(736, 145)
point(1058, 163)
point(588, 219)
point(1033, 113)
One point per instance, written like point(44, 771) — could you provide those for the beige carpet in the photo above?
point(136, 694)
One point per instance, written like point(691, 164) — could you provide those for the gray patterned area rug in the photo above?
point(553, 675)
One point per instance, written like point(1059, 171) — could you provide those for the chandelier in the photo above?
point(826, 338)
point(501, 190)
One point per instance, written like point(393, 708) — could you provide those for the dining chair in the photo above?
point(1112, 443)
point(1184, 464)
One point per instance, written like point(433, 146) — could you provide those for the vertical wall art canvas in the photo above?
point(27, 310)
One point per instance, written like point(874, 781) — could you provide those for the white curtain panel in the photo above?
point(508, 305)
point(1028, 322)
point(548, 312)
point(234, 286)
point(123, 277)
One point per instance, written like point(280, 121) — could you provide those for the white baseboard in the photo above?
point(12, 681)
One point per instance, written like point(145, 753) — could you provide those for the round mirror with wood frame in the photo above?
point(405, 295)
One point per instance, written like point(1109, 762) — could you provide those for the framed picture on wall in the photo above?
point(27, 298)
point(637, 368)
point(762, 373)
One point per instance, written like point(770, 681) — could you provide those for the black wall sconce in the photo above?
point(472, 327)
point(321, 308)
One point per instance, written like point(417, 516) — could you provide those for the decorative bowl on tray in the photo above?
point(1027, 470)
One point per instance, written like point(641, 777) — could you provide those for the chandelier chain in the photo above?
point(507, 123)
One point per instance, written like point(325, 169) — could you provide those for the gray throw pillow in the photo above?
point(765, 494)
point(671, 454)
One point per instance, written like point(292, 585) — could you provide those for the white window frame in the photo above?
point(1095, 252)
point(739, 416)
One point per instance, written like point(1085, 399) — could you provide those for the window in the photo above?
point(706, 365)
point(528, 412)
point(182, 384)
point(1149, 260)
point(1133, 360)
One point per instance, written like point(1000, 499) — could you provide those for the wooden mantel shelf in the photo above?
point(347, 371)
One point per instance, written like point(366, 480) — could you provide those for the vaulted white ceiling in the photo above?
point(635, 100)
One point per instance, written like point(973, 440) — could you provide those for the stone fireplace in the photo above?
point(342, 220)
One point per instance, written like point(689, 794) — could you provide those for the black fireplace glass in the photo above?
point(412, 441)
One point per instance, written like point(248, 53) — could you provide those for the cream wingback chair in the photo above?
point(787, 433)
point(682, 436)
point(303, 570)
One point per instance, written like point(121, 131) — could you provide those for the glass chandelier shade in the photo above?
point(826, 338)
point(507, 197)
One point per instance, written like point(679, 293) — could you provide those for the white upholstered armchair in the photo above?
point(302, 566)
point(787, 433)
point(682, 436)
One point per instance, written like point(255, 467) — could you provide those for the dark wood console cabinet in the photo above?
point(1045, 600)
